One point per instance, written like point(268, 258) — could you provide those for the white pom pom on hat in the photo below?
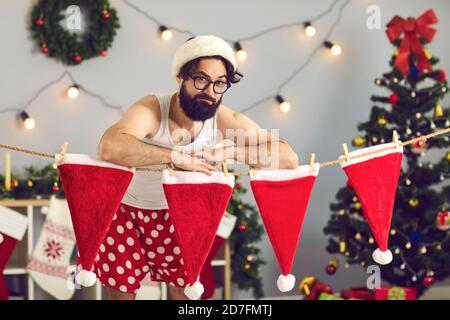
point(202, 46)
point(286, 283)
point(382, 257)
point(86, 278)
point(195, 291)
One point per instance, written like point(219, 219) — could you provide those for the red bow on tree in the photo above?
point(412, 29)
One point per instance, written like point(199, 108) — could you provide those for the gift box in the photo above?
point(395, 293)
point(312, 288)
point(360, 293)
point(327, 296)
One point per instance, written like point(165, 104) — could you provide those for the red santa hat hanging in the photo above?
point(373, 174)
point(282, 197)
point(197, 203)
point(94, 190)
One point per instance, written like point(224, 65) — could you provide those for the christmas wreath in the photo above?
point(70, 47)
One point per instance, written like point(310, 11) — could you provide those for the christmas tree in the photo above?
point(245, 260)
point(419, 239)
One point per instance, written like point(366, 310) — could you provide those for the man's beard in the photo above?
point(195, 108)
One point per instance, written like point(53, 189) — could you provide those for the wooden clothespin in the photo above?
point(346, 155)
point(170, 169)
point(252, 171)
point(225, 168)
point(62, 152)
point(395, 139)
point(312, 158)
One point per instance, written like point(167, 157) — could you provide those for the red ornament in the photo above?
point(77, 58)
point(106, 14)
point(40, 22)
point(103, 53)
point(55, 187)
point(393, 99)
point(242, 227)
point(442, 76)
point(443, 220)
point(238, 185)
point(14, 183)
point(44, 49)
point(330, 269)
point(428, 281)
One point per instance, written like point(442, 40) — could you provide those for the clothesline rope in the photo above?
point(246, 173)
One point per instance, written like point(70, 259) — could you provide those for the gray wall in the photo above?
point(329, 97)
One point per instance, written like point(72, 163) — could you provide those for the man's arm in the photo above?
point(253, 145)
point(122, 143)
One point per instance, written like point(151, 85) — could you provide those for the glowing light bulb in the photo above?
point(165, 33)
point(309, 29)
point(73, 92)
point(27, 121)
point(284, 106)
point(334, 48)
point(241, 54)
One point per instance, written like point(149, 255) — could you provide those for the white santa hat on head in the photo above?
point(202, 46)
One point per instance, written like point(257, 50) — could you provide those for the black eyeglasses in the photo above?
point(201, 83)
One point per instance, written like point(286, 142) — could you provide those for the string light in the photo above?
point(241, 54)
point(334, 48)
point(165, 33)
point(73, 91)
point(309, 29)
point(28, 122)
point(283, 105)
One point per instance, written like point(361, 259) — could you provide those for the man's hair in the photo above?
point(190, 67)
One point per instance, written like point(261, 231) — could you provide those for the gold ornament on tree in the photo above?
point(358, 141)
point(438, 111)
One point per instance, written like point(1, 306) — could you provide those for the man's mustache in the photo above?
point(206, 98)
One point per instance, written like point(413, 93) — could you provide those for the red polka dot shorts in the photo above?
point(137, 242)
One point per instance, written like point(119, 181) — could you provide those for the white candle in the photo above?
point(8, 171)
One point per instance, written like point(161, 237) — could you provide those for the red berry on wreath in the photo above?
point(77, 58)
point(393, 98)
point(238, 185)
point(442, 75)
point(40, 22)
point(44, 49)
point(106, 14)
point(103, 53)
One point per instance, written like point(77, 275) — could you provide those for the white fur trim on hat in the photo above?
point(390, 146)
point(189, 177)
point(92, 160)
point(202, 46)
point(285, 174)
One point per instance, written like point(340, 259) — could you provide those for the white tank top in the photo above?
point(145, 190)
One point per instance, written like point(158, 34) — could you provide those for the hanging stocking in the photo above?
point(12, 228)
point(197, 202)
point(149, 290)
point(94, 190)
point(282, 197)
point(207, 274)
point(374, 178)
point(50, 260)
